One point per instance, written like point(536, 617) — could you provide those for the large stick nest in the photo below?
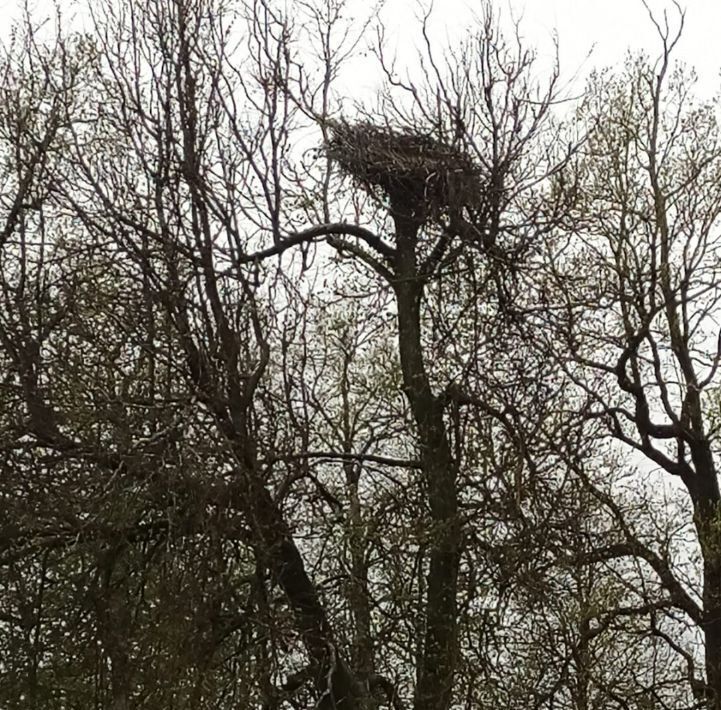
point(419, 174)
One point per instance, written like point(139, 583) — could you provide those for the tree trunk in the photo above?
point(704, 491)
point(332, 677)
point(434, 689)
point(707, 523)
point(712, 627)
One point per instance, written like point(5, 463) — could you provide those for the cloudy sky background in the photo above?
point(591, 33)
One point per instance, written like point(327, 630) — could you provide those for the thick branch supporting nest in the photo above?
point(421, 176)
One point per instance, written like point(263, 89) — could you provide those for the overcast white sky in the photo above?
point(606, 28)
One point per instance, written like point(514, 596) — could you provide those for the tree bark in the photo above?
point(332, 677)
point(434, 688)
point(707, 525)
point(704, 491)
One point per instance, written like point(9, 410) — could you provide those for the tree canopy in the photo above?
point(306, 403)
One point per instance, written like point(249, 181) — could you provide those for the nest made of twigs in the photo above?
point(418, 173)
